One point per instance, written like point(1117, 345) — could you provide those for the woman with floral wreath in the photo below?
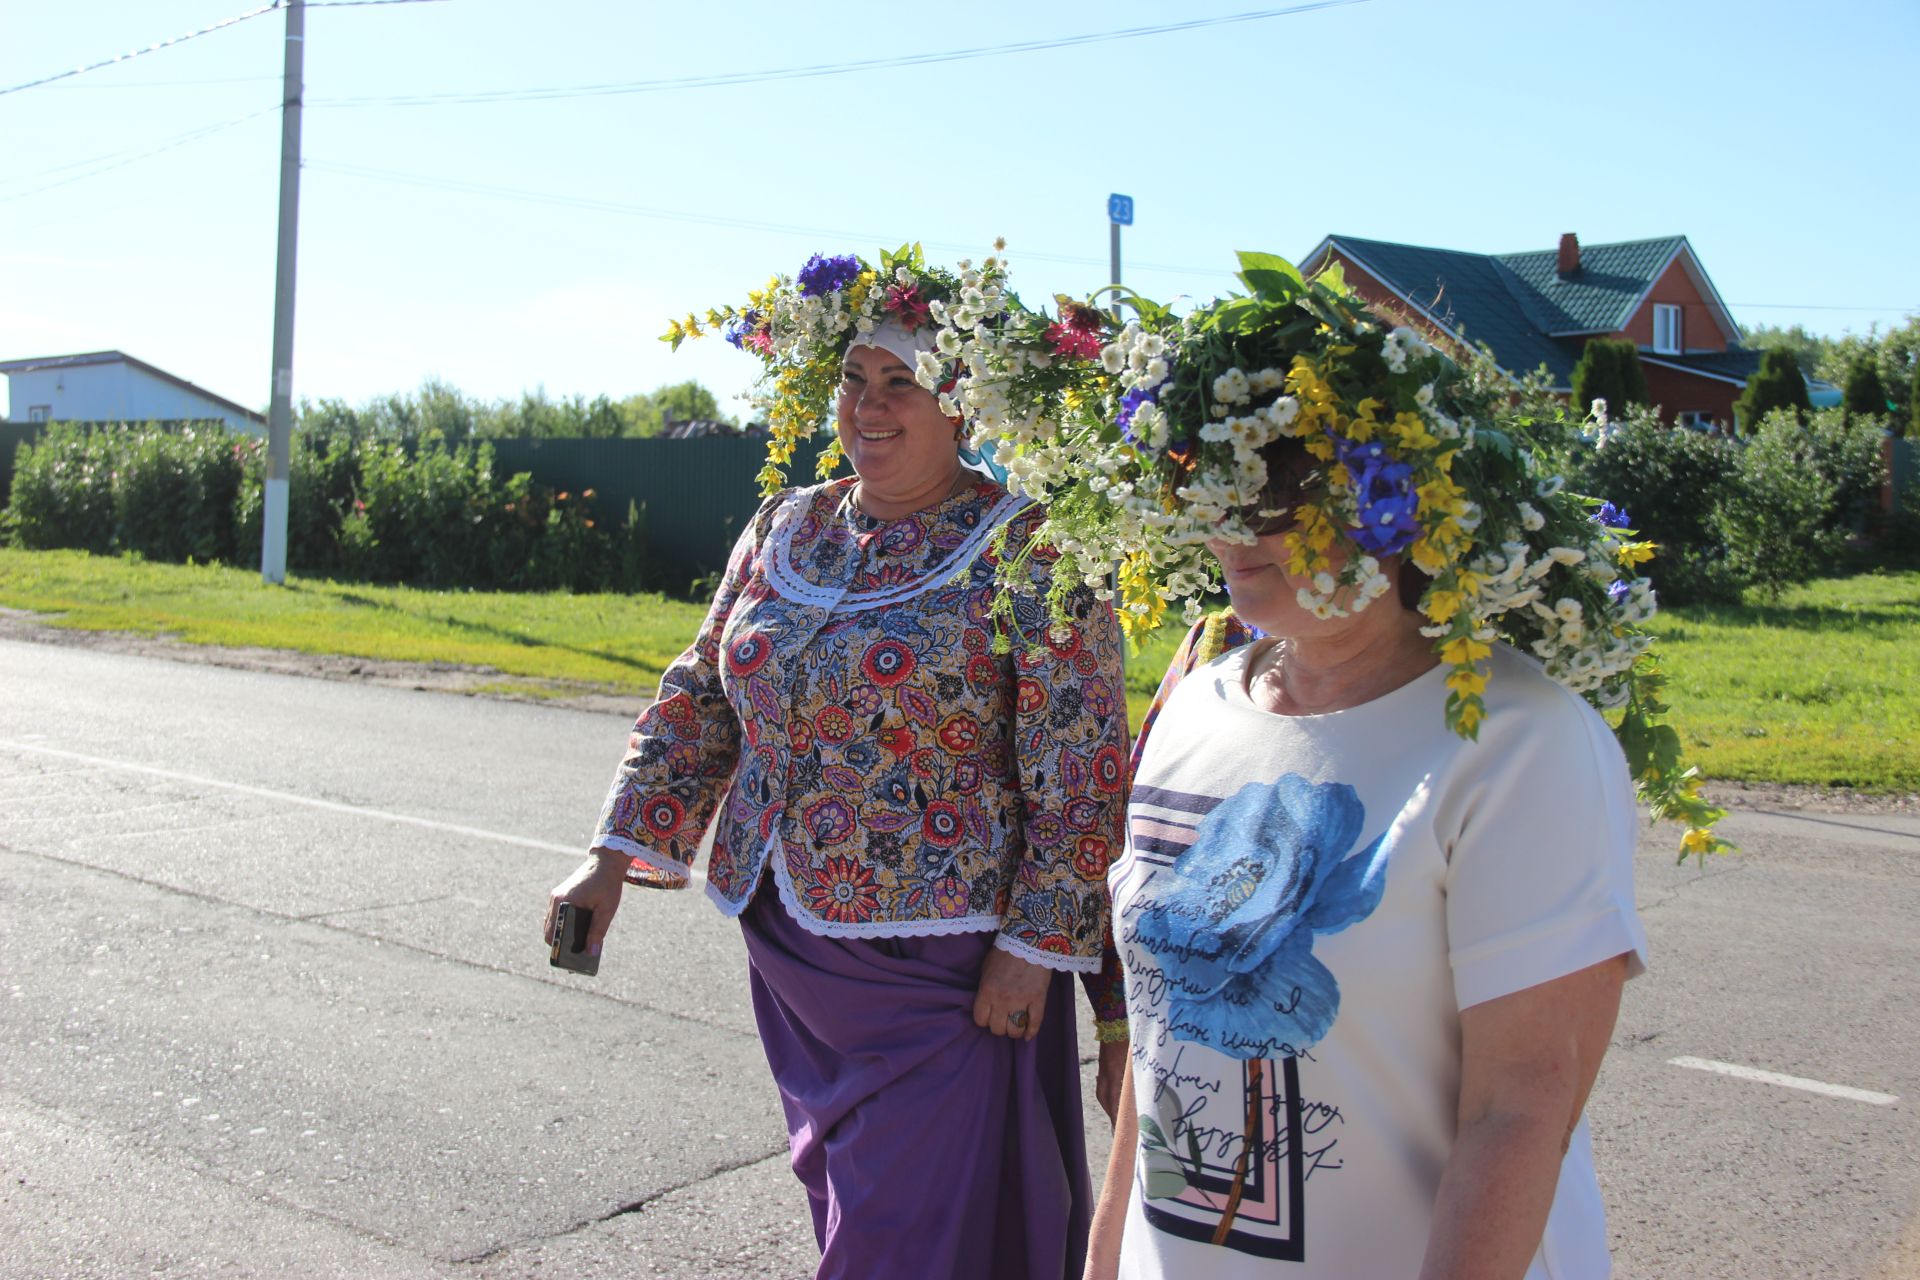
point(1375, 908)
point(916, 779)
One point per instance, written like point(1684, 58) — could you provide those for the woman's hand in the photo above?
point(595, 885)
point(1012, 999)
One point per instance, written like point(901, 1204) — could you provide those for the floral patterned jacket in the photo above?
point(844, 711)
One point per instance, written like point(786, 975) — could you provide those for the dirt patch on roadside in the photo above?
point(486, 682)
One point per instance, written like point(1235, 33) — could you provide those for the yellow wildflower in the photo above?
point(1425, 554)
point(1464, 649)
point(1467, 681)
point(1440, 605)
point(1697, 840)
point(1411, 432)
point(1469, 714)
point(691, 326)
point(1441, 494)
point(1632, 553)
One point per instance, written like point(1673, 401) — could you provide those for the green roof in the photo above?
point(1516, 303)
point(1600, 296)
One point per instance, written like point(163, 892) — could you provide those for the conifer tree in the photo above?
point(1778, 384)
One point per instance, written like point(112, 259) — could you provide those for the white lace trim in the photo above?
point(784, 578)
point(1048, 959)
point(678, 872)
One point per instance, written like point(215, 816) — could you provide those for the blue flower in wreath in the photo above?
point(1233, 922)
point(1388, 507)
point(822, 274)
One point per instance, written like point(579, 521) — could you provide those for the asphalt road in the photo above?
point(275, 1006)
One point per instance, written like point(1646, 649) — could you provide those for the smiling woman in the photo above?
point(912, 778)
point(891, 428)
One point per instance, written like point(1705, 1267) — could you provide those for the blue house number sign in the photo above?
point(1120, 209)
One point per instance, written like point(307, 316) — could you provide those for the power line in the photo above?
point(719, 79)
point(120, 159)
point(164, 44)
point(218, 26)
point(1812, 306)
point(129, 152)
point(654, 212)
point(169, 84)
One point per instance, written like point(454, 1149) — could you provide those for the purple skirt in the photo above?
point(928, 1147)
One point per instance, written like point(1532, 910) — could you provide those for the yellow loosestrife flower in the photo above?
point(1440, 604)
point(1464, 649)
point(1467, 681)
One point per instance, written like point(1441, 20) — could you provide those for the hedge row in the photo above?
point(386, 510)
point(1766, 510)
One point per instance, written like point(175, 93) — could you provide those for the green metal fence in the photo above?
point(696, 495)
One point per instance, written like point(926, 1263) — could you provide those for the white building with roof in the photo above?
point(112, 386)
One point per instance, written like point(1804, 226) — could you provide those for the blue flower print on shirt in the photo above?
point(1233, 922)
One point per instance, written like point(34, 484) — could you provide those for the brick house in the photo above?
point(1540, 309)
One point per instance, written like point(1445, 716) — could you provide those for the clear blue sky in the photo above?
point(1775, 136)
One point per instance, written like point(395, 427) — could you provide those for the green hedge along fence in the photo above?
point(618, 514)
point(630, 514)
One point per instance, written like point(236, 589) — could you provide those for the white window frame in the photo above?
point(39, 412)
point(1669, 338)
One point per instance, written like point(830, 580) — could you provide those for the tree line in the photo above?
point(441, 409)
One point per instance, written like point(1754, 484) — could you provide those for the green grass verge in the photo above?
point(616, 643)
point(1822, 687)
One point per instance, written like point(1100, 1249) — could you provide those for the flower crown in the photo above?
point(1144, 440)
point(800, 326)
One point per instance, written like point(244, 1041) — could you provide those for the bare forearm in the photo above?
point(1494, 1196)
point(1110, 1212)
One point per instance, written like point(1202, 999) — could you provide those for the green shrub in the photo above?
point(1777, 384)
point(379, 509)
point(1847, 453)
point(1609, 370)
point(428, 511)
point(174, 492)
point(1864, 392)
point(1779, 520)
point(322, 472)
point(63, 491)
point(1669, 481)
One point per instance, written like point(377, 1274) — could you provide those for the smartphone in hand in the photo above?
point(570, 940)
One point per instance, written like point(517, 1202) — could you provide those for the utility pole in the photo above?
point(273, 532)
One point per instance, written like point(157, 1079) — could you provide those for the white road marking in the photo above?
point(288, 797)
point(1739, 1072)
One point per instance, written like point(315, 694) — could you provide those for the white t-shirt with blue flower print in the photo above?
point(1304, 906)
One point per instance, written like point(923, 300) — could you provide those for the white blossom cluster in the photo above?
point(1402, 345)
point(1531, 595)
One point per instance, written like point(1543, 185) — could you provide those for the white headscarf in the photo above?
point(896, 339)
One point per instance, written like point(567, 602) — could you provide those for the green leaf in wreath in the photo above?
point(1271, 276)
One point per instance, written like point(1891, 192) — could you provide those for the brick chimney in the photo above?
point(1569, 256)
